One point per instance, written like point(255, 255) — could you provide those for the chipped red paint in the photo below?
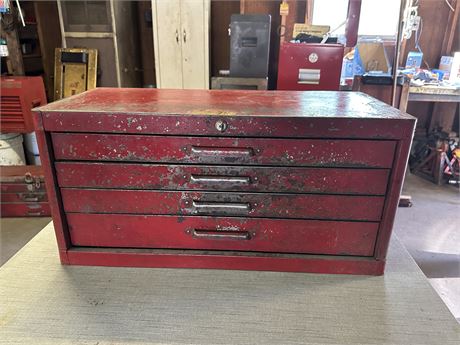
point(226, 260)
point(211, 233)
point(228, 151)
point(224, 179)
point(343, 207)
point(254, 179)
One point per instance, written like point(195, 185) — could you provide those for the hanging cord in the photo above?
point(328, 34)
point(20, 13)
point(450, 6)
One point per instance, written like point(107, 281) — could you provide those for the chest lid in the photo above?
point(227, 112)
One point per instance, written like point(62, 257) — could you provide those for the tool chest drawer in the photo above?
point(345, 207)
point(25, 209)
point(264, 235)
point(228, 151)
point(260, 180)
point(222, 178)
point(23, 192)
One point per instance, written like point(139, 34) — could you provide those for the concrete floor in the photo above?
point(430, 230)
point(16, 232)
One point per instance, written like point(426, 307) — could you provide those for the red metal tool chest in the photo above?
point(18, 96)
point(23, 192)
point(257, 180)
point(309, 66)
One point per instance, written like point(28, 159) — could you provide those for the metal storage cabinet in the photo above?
point(18, 96)
point(249, 45)
point(181, 43)
point(310, 66)
point(259, 180)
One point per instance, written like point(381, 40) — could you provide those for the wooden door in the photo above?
point(167, 40)
point(195, 43)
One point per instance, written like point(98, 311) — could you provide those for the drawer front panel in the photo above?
point(249, 179)
point(228, 151)
point(267, 235)
point(25, 209)
point(23, 197)
point(368, 208)
point(21, 188)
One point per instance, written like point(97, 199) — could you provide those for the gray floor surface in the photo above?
point(430, 230)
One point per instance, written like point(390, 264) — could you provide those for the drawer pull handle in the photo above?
point(29, 198)
point(220, 179)
point(29, 213)
point(231, 151)
point(229, 206)
point(221, 234)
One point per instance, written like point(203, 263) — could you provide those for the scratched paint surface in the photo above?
point(331, 104)
point(343, 207)
point(248, 179)
point(228, 151)
point(253, 171)
point(267, 235)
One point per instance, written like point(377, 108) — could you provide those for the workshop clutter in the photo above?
point(22, 183)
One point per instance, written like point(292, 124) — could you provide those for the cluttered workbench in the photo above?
point(44, 302)
point(431, 93)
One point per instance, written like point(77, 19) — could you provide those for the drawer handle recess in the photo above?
point(221, 234)
point(29, 198)
point(231, 151)
point(220, 179)
point(33, 214)
point(236, 206)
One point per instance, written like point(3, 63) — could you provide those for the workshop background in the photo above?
point(55, 49)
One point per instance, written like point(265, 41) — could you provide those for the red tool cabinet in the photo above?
point(309, 66)
point(257, 180)
point(18, 96)
point(23, 192)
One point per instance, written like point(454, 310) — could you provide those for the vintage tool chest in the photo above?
point(256, 180)
point(23, 192)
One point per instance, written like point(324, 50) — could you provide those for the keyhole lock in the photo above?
point(221, 125)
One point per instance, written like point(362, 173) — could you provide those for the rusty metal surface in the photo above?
point(329, 104)
point(262, 173)
point(307, 206)
point(270, 235)
point(232, 178)
point(228, 151)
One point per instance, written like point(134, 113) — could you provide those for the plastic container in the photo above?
point(30, 142)
point(11, 149)
point(33, 159)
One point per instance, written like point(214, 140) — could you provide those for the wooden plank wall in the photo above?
point(49, 33)
point(221, 11)
point(144, 22)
